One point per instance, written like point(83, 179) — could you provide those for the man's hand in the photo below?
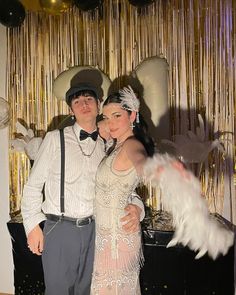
point(35, 240)
point(131, 221)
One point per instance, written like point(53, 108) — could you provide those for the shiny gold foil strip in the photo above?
point(196, 37)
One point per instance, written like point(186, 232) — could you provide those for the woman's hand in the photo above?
point(178, 166)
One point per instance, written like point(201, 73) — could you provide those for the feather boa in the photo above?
point(194, 226)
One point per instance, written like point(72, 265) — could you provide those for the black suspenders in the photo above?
point(62, 197)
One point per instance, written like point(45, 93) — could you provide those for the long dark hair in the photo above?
point(140, 129)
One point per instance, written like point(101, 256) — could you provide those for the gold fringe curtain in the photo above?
point(196, 37)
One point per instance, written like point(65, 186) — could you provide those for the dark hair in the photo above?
point(140, 129)
point(81, 93)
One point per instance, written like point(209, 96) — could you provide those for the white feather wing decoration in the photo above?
point(28, 143)
point(152, 73)
point(194, 226)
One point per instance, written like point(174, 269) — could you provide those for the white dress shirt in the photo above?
point(80, 174)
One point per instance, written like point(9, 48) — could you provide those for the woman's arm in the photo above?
point(181, 195)
point(135, 153)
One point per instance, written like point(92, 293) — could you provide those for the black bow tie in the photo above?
point(83, 135)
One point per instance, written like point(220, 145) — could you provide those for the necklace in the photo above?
point(83, 153)
point(113, 149)
point(118, 145)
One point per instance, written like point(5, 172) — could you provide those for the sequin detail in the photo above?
point(118, 255)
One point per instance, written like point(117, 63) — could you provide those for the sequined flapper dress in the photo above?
point(118, 255)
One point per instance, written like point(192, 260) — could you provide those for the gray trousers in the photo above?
point(68, 258)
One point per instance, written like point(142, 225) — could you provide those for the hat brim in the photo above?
point(81, 74)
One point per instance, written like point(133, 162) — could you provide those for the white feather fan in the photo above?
point(194, 226)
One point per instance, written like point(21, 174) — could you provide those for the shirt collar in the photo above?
point(77, 129)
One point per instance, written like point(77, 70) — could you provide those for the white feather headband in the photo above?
point(129, 100)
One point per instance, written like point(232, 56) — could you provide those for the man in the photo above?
point(67, 245)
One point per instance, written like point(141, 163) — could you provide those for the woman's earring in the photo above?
point(72, 117)
point(131, 125)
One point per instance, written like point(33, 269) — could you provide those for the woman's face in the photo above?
point(118, 121)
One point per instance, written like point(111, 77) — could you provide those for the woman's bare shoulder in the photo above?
point(132, 140)
point(135, 152)
point(132, 144)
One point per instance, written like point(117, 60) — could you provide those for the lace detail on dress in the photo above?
point(118, 255)
point(116, 282)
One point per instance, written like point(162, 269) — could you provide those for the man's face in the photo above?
point(85, 108)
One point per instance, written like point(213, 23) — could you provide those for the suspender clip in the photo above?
point(61, 217)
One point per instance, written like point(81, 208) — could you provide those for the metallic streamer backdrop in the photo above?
point(196, 37)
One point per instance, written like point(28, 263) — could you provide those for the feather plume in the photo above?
point(21, 129)
point(194, 226)
point(28, 143)
point(194, 148)
point(129, 99)
point(32, 147)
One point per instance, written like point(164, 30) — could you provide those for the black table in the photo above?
point(167, 271)
point(175, 271)
point(28, 271)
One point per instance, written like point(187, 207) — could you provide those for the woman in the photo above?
point(118, 255)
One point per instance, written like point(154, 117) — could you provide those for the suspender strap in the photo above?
point(62, 199)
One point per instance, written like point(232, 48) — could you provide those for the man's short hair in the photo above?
point(80, 89)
